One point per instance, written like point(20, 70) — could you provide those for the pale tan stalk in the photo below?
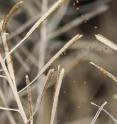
point(57, 55)
point(104, 72)
point(14, 90)
point(29, 100)
point(106, 41)
point(98, 113)
point(38, 23)
point(56, 95)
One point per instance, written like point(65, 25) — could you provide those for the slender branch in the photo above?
point(112, 117)
point(29, 99)
point(98, 113)
point(42, 90)
point(57, 55)
point(105, 72)
point(37, 24)
point(8, 16)
point(9, 114)
point(9, 109)
point(56, 95)
point(14, 90)
point(106, 41)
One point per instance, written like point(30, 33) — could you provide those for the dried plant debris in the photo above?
point(112, 117)
point(105, 72)
point(98, 113)
point(44, 72)
point(106, 41)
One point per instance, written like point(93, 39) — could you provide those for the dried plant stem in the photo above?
point(43, 88)
point(3, 28)
point(21, 61)
point(106, 41)
point(9, 109)
point(105, 72)
point(57, 55)
point(43, 37)
point(113, 118)
point(98, 113)
point(14, 90)
point(8, 16)
point(8, 59)
point(9, 114)
point(29, 99)
point(56, 95)
point(1, 76)
point(24, 26)
point(77, 21)
point(38, 23)
point(58, 72)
